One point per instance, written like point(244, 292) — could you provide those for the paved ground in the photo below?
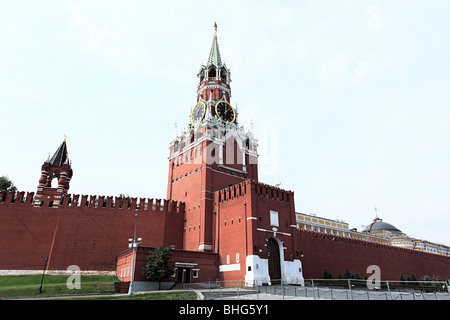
point(304, 293)
point(264, 296)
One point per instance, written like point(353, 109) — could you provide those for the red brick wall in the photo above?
point(319, 251)
point(243, 223)
point(336, 253)
point(230, 234)
point(89, 237)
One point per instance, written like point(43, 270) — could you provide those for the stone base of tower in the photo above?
point(257, 272)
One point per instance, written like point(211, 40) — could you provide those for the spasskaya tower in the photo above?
point(211, 153)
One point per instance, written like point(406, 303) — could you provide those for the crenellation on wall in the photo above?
point(29, 198)
point(16, 197)
point(84, 201)
point(260, 189)
point(95, 202)
point(101, 201)
point(272, 192)
point(157, 205)
point(335, 253)
point(19, 197)
point(10, 197)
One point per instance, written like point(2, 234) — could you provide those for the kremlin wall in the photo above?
point(91, 231)
point(86, 231)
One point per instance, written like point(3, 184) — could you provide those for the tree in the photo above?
point(157, 266)
point(402, 277)
point(327, 274)
point(347, 274)
point(6, 184)
point(425, 278)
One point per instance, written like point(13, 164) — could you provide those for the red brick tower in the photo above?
point(58, 167)
point(212, 153)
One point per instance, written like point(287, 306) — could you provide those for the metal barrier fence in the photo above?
point(321, 289)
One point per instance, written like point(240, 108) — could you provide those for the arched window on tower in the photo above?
point(199, 133)
point(223, 74)
point(212, 72)
point(182, 144)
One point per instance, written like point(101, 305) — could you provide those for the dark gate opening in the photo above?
point(184, 275)
point(273, 252)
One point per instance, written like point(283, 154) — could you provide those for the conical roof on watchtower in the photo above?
point(60, 156)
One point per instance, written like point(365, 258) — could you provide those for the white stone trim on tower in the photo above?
point(257, 271)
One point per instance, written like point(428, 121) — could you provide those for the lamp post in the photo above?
point(43, 273)
point(133, 243)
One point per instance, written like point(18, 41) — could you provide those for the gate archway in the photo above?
point(273, 253)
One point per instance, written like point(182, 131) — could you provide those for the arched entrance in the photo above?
point(273, 253)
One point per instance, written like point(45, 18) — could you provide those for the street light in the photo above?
point(43, 273)
point(133, 243)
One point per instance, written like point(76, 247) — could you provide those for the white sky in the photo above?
point(349, 99)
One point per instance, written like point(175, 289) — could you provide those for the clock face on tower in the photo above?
point(198, 113)
point(225, 111)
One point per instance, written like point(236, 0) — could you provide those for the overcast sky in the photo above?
point(349, 99)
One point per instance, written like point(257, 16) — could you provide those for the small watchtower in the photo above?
point(58, 167)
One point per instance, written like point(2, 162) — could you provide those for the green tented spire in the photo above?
point(214, 55)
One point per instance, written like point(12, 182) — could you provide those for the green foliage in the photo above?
point(348, 275)
point(425, 278)
point(157, 267)
point(6, 184)
point(412, 278)
point(327, 274)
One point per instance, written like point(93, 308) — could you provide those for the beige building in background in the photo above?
point(378, 232)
